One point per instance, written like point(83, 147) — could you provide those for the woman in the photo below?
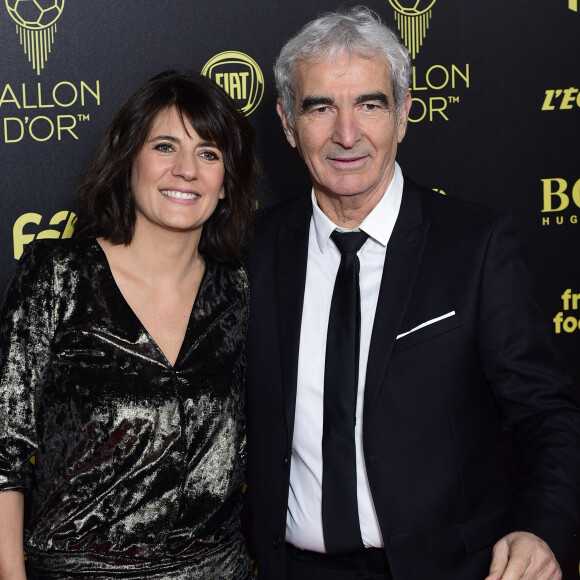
point(122, 366)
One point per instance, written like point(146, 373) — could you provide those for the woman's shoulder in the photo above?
point(48, 269)
point(58, 255)
point(234, 269)
point(229, 274)
point(55, 250)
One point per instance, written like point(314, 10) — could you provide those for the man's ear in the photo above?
point(404, 116)
point(288, 130)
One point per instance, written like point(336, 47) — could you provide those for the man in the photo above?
point(375, 442)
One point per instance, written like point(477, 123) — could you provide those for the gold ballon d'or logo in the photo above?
point(240, 76)
point(35, 25)
point(413, 18)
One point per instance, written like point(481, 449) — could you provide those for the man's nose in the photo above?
point(346, 129)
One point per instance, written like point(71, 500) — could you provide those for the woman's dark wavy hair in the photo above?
point(106, 200)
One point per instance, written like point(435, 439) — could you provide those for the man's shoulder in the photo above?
point(296, 207)
point(294, 212)
point(454, 212)
point(287, 217)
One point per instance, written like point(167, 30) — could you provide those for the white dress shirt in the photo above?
point(304, 519)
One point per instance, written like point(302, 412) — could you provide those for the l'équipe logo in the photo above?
point(567, 320)
point(435, 87)
point(40, 111)
point(561, 99)
point(24, 230)
point(240, 76)
point(561, 201)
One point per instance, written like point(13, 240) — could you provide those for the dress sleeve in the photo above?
point(26, 330)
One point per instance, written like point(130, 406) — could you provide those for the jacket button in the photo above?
point(277, 542)
point(284, 461)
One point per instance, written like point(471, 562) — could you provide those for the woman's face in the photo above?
point(177, 177)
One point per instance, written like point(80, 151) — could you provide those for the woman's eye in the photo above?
point(164, 147)
point(209, 155)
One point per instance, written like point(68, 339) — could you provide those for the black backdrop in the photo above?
point(495, 119)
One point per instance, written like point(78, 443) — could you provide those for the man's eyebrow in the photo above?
point(310, 102)
point(379, 96)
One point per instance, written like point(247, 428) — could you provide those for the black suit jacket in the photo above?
point(436, 399)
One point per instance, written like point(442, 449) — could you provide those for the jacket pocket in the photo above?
point(427, 330)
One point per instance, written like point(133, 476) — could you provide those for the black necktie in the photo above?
point(339, 503)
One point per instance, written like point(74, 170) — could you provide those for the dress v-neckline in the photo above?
point(139, 321)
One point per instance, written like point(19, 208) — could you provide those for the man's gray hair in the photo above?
point(358, 31)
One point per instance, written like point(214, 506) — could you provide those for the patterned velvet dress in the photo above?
point(138, 464)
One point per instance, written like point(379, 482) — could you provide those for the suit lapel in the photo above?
point(291, 260)
point(402, 262)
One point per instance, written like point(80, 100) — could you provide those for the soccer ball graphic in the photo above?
point(35, 14)
point(412, 7)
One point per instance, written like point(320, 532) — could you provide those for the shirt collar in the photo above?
point(378, 224)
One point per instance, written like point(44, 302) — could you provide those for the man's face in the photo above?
point(346, 128)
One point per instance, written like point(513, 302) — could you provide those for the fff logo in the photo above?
point(64, 219)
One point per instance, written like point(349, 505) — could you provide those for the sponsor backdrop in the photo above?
point(495, 118)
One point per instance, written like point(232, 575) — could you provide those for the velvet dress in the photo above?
point(131, 467)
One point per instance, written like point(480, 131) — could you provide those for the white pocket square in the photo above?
point(424, 324)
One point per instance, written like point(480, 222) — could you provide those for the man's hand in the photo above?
point(524, 556)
